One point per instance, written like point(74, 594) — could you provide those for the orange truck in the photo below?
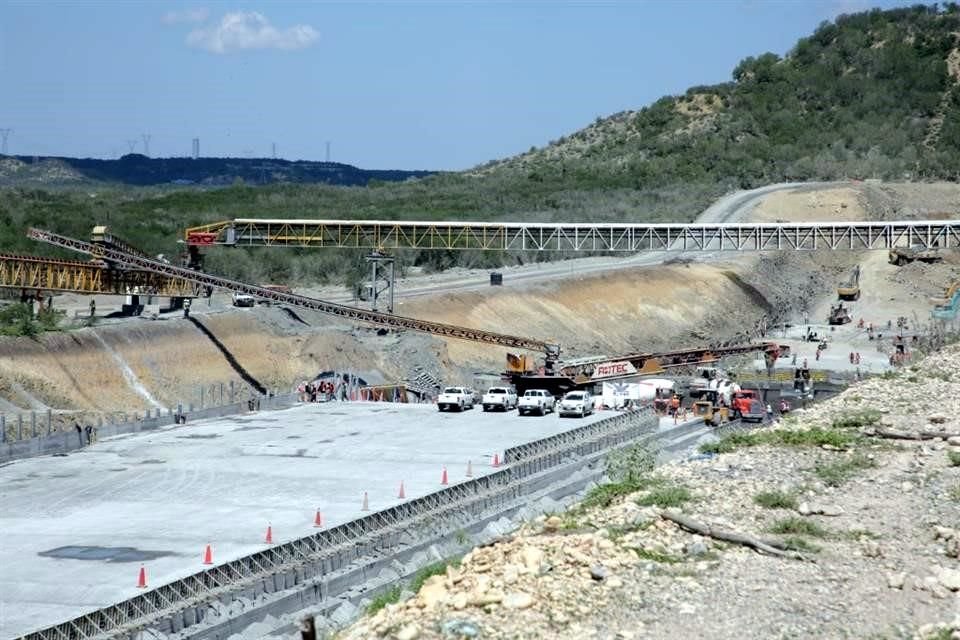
point(747, 405)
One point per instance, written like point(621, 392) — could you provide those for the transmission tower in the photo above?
point(328, 151)
point(146, 144)
point(5, 133)
point(132, 144)
point(274, 146)
point(196, 148)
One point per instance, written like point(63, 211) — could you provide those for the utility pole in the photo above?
point(5, 134)
point(146, 144)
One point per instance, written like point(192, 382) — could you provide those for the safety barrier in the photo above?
point(317, 557)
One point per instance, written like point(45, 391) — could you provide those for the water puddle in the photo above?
point(107, 554)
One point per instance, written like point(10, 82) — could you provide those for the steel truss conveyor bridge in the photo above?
point(593, 237)
point(31, 273)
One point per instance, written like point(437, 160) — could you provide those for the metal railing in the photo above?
point(323, 553)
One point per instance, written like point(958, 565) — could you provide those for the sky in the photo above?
point(390, 85)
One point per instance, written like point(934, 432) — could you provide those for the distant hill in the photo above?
point(139, 170)
point(872, 94)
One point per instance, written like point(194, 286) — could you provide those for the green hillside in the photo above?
point(869, 95)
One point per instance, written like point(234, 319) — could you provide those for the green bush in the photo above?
point(390, 596)
point(856, 420)
point(799, 527)
point(835, 473)
point(775, 500)
point(815, 437)
point(669, 496)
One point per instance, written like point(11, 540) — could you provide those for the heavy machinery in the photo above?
point(905, 255)
point(839, 314)
point(850, 290)
point(709, 408)
point(588, 372)
point(945, 308)
point(554, 376)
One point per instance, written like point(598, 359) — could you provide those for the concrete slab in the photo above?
point(77, 528)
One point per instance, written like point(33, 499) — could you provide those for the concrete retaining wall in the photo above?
point(62, 442)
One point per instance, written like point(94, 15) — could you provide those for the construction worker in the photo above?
point(675, 407)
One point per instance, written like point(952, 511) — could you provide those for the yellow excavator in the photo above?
point(850, 290)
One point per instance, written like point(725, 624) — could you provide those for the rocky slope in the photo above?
point(871, 524)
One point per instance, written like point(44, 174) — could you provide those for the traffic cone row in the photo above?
point(207, 556)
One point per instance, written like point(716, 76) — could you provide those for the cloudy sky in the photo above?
point(411, 85)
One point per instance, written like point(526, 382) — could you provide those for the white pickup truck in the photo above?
point(503, 398)
point(536, 401)
point(243, 300)
point(458, 398)
point(576, 403)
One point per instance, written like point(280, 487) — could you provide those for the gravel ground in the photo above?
point(878, 518)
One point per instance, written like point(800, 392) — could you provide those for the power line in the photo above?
point(5, 133)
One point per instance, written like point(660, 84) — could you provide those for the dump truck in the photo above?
point(905, 255)
point(850, 290)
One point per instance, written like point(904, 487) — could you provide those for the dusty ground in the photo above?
point(872, 522)
point(675, 306)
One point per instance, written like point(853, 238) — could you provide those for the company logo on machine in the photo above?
point(613, 369)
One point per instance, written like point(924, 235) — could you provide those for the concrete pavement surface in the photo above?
point(77, 528)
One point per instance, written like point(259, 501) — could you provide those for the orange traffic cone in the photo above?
point(269, 537)
point(142, 579)
point(402, 495)
point(366, 503)
point(469, 469)
point(208, 555)
point(318, 519)
point(443, 478)
point(496, 460)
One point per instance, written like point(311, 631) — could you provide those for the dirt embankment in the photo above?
point(138, 364)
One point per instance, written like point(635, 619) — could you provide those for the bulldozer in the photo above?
point(850, 290)
point(839, 314)
point(707, 407)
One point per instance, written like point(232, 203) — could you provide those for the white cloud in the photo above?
point(250, 30)
point(187, 15)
